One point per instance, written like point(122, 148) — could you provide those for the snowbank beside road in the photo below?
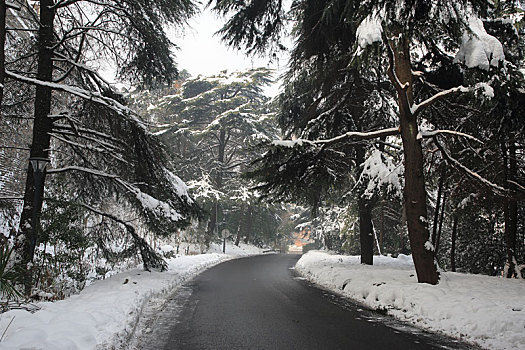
point(487, 311)
point(105, 312)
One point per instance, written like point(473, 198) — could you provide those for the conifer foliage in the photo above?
point(83, 126)
point(421, 57)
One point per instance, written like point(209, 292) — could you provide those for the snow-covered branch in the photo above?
point(85, 94)
point(149, 257)
point(432, 133)
point(351, 135)
point(147, 202)
point(416, 108)
point(82, 169)
point(457, 164)
point(359, 136)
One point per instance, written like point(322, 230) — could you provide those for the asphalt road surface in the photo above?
point(258, 303)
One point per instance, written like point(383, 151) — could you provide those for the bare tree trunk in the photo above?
point(242, 218)
point(436, 211)
point(249, 224)
point(27, 238)
point(453, 243)
point(510, 209)
point(382, 232)
point(440, 225)
point(212, 224)
point(366, 234)
point(400, 74)
point(2, 49)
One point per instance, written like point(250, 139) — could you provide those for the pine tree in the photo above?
point(406, 44)
point(214, 124)
point(131, 33)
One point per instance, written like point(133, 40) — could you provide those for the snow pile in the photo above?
point(478, 48)
point(488, 311)
point(106, 312)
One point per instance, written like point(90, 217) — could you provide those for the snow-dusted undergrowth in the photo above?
point(104, 313)
point(488, 311)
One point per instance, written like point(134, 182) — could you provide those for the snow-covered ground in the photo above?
point(106, 312)
point(483, 310)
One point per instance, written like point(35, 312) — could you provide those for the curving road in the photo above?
point(257, 303)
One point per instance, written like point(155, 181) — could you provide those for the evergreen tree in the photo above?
point(407, 44)
point(212, 126)
point(130, 32)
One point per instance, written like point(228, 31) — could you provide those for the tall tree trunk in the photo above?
point(249, 225)
point(27, 238)
point(366, 233)
point(440, 225)
point(510, 209)
point(453, 243)
point(211, 228)
point(382, 232)
point(400, 74)
point(239, 226)
point(2, 49)
point(436, 211)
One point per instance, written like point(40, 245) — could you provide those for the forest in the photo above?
point(399, 128)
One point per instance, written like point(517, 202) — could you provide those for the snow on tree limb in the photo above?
point(496, 188)
point(85, 94)
point(351, 135)
point(149, 203)
point(486, 90)
point(149, 257)
point(418, 107)
point(431, 133)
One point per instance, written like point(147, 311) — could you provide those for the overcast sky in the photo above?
point(201, 52)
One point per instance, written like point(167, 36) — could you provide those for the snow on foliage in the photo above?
point(203, 188)
point(369, 31)
point(485, 89)
point(478, 48)
point(158, 207)
point(289, 143)
point(180, 187)
point(379, 172)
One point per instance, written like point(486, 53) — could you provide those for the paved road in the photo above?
point(257, 303)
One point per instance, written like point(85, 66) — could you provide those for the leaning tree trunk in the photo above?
point(400, 74)
point(27, 237)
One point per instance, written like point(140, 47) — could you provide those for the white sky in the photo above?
point(202, 52)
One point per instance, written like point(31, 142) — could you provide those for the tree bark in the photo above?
point(510, 209)
point(440, 226)
point(211, 227)
point(249, 224)
point(453, 244)
point(2, 49)
point(242, 218)
point(366, 234)
point(27, 238)
point(436, 211)
point(400, 74)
